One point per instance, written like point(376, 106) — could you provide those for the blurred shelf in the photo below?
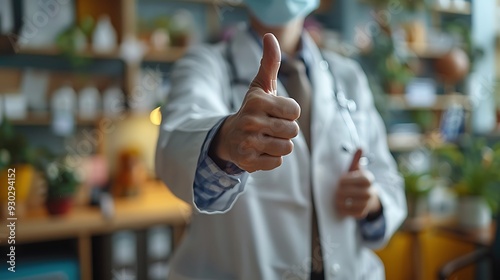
point(236, 3)
point(449, 227)
point(155, 205)
point(400, 143)
point(441, 103)
point(417, 224)
point(45, 118)
point(478, 237)
point(54, 51)
point(465, 9)
point(169, 55)
point(426, 52)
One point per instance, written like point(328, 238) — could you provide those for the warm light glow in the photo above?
point(155, 116)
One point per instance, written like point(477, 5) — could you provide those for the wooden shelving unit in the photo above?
point(426, 52)
point(238, 3)
point(168, 56)
point(442, 102)
point(54, 51)
point(156, 205)
point(462, 10)
point(41, 119)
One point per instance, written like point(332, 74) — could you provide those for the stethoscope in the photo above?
point(345, 106)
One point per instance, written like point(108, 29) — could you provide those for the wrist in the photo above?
point(217, 150)
point(376, 211)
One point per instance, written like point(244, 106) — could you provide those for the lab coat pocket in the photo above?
point(285, 185)
point(372, 268)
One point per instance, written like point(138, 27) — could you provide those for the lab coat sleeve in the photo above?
point(211, 182)
point(196, 103)
point(389, 184)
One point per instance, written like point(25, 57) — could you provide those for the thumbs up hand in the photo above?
point(355, 195)
point(259, 134)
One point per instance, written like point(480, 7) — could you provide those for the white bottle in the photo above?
point(113, 102)
point(104, 36)
point(64, 99)
point(63, 106)
point(89, 103)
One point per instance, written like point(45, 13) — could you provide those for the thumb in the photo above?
point(267, 76)
point(355, 160)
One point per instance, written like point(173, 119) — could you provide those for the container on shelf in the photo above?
point(63, 107)
point(113, 102)
point(104, 38)
point(89, 103)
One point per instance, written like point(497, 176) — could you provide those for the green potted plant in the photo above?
point(473, 171)
point(62, 183)
point(396, 74)
point(16, 157)
point(391, 70)
point(418, 182)
point(417, 188)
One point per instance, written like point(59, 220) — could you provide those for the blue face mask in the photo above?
point(279, 12)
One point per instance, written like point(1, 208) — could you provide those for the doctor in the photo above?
point(279, 149)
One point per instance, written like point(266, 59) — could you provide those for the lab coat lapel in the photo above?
point(246, 55)
point(322, 84)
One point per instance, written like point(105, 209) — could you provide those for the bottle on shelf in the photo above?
point(113, 102)
point(89, 103)
point(63, 106)
point(104, 39)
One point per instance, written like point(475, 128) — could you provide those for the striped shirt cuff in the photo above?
point(373, 230)
point(210, 180)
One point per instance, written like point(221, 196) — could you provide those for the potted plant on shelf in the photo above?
point(414, 169)
point(392, 69)
point(475, 177)
point(396, 74)
point(417, 188)
point(16, 157)
point(62, 183)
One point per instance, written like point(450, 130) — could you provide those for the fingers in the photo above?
point(277, 147)
point(284, 108)
point(279, 128)
point(265, 145)
point(267, 76)
point(260, 162)
point(356, 179)
point(353, 211)
point(355, 160)
point(356, 204)
point(352, 203)
point(257, 102)
point(355, 192)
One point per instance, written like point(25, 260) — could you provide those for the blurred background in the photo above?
point(80, 86)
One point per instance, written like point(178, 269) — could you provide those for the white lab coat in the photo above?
point(261, 229)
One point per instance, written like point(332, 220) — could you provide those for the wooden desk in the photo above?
point(421, 246)
point(155, 205)
point(479, 237)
